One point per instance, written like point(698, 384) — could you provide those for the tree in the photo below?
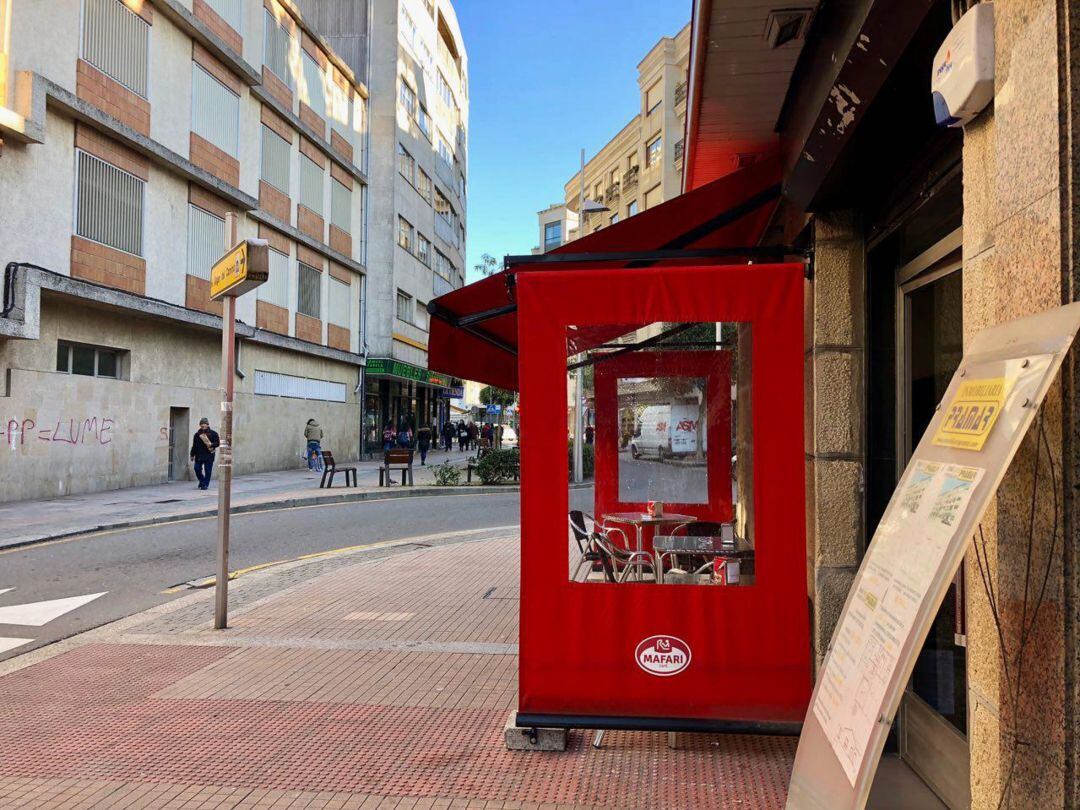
point(490, 395)
point(488, 266)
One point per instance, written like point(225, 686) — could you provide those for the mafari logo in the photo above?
point(663, 655)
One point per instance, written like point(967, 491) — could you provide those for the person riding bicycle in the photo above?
point(313, 433)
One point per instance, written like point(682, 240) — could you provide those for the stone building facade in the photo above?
point(130, 129)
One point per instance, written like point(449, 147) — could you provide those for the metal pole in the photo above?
point(579, 375)
point(225, 458)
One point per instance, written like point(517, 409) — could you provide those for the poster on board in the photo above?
point(987, 409)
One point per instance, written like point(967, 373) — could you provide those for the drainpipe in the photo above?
point(10, 272)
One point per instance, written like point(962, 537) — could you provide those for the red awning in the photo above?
point(474, 330)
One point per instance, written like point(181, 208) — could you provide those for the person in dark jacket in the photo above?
point(423, 443)
point(473, 434)
point(448, 435)
point(203, 446)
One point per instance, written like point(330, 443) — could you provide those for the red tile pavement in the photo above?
point(190, 725)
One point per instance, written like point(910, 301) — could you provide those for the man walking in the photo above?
point(203, 447)
point(423, 443)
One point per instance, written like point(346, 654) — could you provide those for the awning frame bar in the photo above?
point(756, 252)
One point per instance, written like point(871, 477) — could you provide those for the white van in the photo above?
point(666, 430)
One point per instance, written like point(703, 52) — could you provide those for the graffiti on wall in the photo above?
point(71, 431)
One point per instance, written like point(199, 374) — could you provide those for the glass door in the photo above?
point(934, 711)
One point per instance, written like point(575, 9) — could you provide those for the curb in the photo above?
point(268, 506)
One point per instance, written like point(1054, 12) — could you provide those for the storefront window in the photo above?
point(658, 421)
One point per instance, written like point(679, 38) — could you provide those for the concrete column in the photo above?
point(835, 452)
point(1017, 203)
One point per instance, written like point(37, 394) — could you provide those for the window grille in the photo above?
point(314, 82)
point(108, 204)
point(339, 303)
point(231, 11)
point(272, 384)
point(311, 185)
point(276, 289)
point(276, 152)
point(340, 206)
point(309, 298)
point(215, 111)
point(116, 41)
point(276, 46)
point(206, 241)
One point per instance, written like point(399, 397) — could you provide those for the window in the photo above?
point(631, 209)
point(108, 204)
point(443, 208)
point(423, 120)
point(654, 97)
point(405, 234)
point(408, 98)
point(613, 177)
point(309, 291)
point(443, 266)
point(341, 206)
point(340, 109)
point(275, 159)
point(215, 111)
point(614, 218)
point(231, 11)
point(311, 185)
point(116, 41)
point(272, 384)
point(276, 46)
point(423, 185)
point(423, 249)
point(445, 152)
point(654, 151)
point(443, 88)
point(421, 319)
point(206, 241)
point(552, 235)
point(406, 163)
point(404, 307)
point(653, 197)
point(276, 289)
point(339, 302)
point(598, 192)
point(314, 84)
point(87, 361)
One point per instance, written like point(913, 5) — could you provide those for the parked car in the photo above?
point(509, 437)
point(667, 430)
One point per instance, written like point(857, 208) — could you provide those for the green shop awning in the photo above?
point(388, 367)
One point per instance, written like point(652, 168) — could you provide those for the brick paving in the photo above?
point(170, 716)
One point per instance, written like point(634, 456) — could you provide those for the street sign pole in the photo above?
point(228, 376)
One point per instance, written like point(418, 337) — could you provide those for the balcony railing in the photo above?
point(680, 148)
point(680, 93)
point(612, 193)
point(630, 177)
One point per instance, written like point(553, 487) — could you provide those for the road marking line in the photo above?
point(36, 614)
point(11, 643)
point(208, 582)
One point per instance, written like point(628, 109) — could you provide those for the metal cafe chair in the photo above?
point(588, 554)
point(620, 560)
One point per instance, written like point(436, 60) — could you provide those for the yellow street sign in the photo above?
point(243, 268)
point(972, 413)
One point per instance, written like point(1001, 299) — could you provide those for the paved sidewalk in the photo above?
point(382, 679)
point(24, 522)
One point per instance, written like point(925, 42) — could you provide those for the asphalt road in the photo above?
point(135, 566)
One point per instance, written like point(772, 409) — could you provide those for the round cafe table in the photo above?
point(640, 519)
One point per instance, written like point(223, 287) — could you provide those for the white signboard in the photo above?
point(920, 542)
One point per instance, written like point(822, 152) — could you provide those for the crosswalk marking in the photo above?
point(36, 614)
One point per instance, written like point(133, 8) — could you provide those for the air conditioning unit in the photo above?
point(787, 25)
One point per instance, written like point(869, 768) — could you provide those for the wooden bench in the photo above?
point(330, 469)
point(400, 458)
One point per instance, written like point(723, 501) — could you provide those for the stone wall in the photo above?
point(835, 453)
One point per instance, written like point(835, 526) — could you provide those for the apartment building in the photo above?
point(130, 129)
point(641, 166)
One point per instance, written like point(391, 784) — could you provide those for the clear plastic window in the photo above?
point(660, 453)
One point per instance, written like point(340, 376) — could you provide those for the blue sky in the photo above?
point(545, 80)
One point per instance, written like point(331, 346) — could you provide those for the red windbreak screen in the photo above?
point(684, 639)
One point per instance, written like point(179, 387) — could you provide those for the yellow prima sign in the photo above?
point(972, 413)
point(243, 268)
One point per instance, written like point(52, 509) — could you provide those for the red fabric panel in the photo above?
point(672, 224)
point(750, 645)
point(715, 367)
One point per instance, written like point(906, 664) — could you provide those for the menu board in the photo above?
point(988, 408)
point(908, 551)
